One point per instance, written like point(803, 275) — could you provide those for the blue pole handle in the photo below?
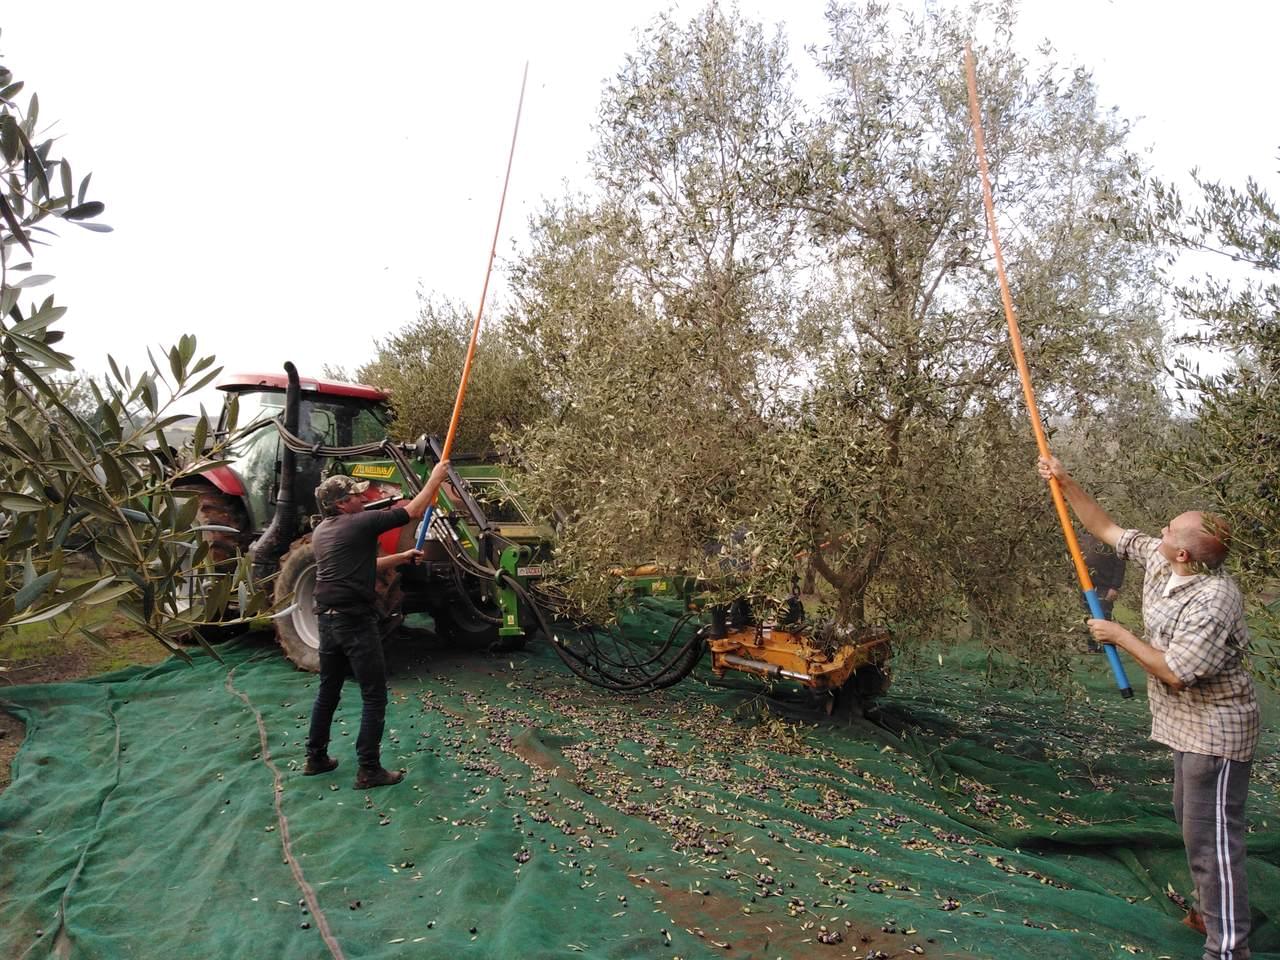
point(1117, 668)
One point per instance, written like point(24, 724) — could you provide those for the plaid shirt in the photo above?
point(1200, 629)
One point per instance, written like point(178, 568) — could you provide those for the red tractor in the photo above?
point(290, 434)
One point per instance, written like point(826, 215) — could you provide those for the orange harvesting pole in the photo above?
point(475, 327)
point(1024, 374)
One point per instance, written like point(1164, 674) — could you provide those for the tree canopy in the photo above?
point(419, 366)
point(771, 333)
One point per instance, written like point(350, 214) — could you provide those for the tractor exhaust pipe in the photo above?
point(275, 540)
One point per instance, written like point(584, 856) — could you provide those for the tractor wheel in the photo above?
point(858, 693)
point(869, 681)
point(299, 630)
point(872, 679)
point(224, 510)
point(216, 509)
point(390, 606)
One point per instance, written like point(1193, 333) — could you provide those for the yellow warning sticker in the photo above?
point(373, 470)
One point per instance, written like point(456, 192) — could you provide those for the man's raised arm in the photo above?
point(417, 507)
point(1096, 520)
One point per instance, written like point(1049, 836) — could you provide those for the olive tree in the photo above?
point(659, 308)
point(88, 462)
point(773, 332)
point(910, 316)
point(419, 366)
point(1230, 454)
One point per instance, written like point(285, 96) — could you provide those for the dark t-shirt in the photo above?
point(346, 557)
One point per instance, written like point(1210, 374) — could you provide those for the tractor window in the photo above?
point(369, 425)
point(254, 407)
point(256, 453)
point(344, 424)
point(318, 425)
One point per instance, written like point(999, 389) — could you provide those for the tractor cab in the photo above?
point(331, 413)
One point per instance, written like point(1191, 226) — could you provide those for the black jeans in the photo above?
point(349, 644)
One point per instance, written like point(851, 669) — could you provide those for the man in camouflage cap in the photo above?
point(336, 489)
point(347, 565)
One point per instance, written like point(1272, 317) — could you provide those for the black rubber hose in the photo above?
point(591, 670)
point(598, 670)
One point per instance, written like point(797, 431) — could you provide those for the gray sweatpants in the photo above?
point(1208, 803)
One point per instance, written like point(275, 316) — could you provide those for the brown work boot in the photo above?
point(1195, 922)
point(320, 764)
point(369, 777)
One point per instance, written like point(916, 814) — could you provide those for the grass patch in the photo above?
point(57, 650)
point(50, 637)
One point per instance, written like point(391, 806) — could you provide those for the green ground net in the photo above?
point(545, 818)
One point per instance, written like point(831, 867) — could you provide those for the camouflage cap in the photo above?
point(337, 488)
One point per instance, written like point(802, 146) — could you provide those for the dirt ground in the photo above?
point(67, 661)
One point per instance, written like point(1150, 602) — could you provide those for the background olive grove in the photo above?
point(419, 366)
point(1229, 454)
point(765, 342)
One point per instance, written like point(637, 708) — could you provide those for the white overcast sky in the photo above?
point(283, 177)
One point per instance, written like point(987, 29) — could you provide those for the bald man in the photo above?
point(1203, 705)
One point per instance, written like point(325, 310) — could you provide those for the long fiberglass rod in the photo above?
point(1033, 412)
point(475, 327)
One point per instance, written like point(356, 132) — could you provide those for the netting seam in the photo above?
point(277, 789)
